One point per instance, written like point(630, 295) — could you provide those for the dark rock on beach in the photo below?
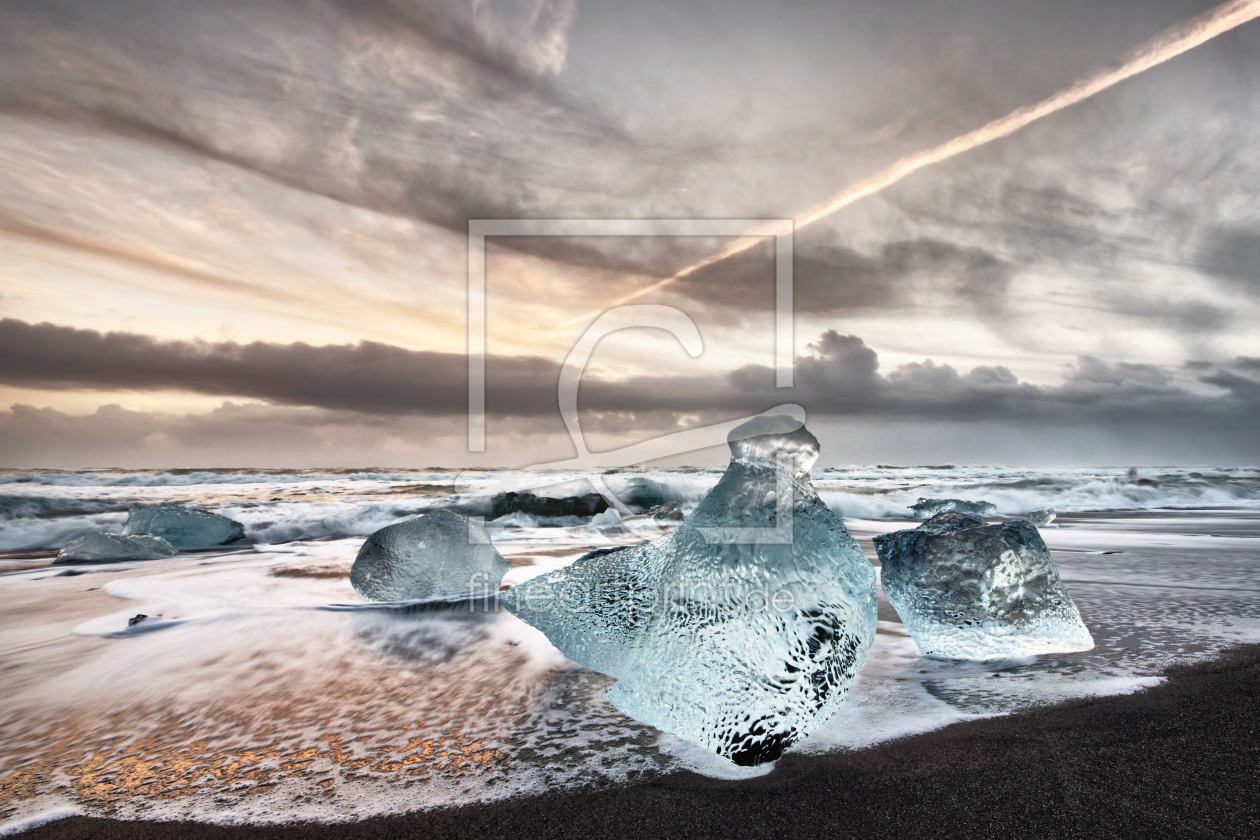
point(640, 494)
point(667, 512)
point(586, 505)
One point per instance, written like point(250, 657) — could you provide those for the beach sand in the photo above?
point(1178, 760)
point(262, 697)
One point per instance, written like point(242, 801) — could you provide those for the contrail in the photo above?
point(1172, 43)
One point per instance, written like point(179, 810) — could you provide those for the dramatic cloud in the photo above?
point(841, 377)
point(259, 173)
point(442, 111)
point(433, 110)
point(369, 377)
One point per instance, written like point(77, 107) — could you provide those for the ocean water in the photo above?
point(262, 688)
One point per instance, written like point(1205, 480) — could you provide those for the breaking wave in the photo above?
point(884, 493)
point(44, 509)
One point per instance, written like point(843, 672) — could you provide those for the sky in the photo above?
point(233, 233)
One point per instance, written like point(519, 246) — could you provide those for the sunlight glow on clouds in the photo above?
point(296, 172)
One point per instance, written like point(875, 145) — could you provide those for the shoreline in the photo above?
point(1181, 759)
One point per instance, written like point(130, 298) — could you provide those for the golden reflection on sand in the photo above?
point(248, 753)
point(251, 696)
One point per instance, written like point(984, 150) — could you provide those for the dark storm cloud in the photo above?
point(840, 377)
point(368, 377)
point(1233, 254)
point(1241, 388)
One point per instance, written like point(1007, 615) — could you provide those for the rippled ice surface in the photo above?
point(262, 688)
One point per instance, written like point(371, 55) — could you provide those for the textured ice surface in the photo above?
point(105, 548)
point(1040, 518)
point(183, 527)
point(438, 555)
point(968, 590)
point(927, 508)
point(740, 647)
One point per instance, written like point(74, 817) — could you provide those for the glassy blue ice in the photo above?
point(741, 630)
point(438, 555)
point(927, 508)
point(107, 548)
point(969, 590)
point(182, 527)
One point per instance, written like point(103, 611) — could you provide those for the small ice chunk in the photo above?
point(968, 590)
point(107, 548)
point(183, 527)
point(608, 519)
point(927, 508)
point(437, 555)
point(1040, 518)
point(743, 645)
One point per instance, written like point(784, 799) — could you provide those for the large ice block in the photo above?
point(968, 590)
point(437, 555)
point(743, 645)
point(182, 527)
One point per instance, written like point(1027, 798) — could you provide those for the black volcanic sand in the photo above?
point(1179, 760)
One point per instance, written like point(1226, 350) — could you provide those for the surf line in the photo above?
point(1171, 43)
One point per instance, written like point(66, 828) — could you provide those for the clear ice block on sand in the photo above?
point(968, 590)
point(742, 647)
point(107, 548)
point(927, 508)
point(182, 527)
point(1040, 518)
point(437, 555)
